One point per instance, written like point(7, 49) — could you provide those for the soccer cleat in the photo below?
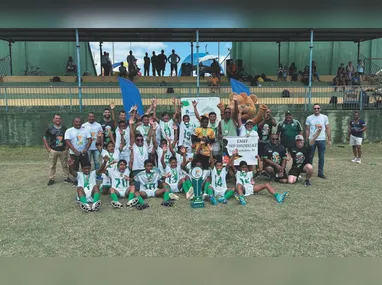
point(132, 203)
point(96, 206)
point(307, 183)
point(116, 204)
point(85, 206)
point(167, 203)
point(50, 182)
point(280, 197)
point(68, 180)
point(358, 160)
point(213, 200)
point(205, 196)
point(354, 159)
point(222, 200)
point(173, 196)
point(142, 206)
point(190, 193)
point(242, 201)
point(237, 197)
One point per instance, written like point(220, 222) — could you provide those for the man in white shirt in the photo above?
point(313, 122)
point(174, 59)
point(94, 129)
point(78, 140)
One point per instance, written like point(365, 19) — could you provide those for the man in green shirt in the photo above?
point(288, 130)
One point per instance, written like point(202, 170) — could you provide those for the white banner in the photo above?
point(247, 147)
point(205, 106)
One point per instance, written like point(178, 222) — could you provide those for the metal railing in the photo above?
point(5, 66)
point(37, 98)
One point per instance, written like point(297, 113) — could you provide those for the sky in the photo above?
point(121, 51)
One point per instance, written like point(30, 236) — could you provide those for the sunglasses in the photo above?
point(316, 108)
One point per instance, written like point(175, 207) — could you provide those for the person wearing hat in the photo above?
point(301, 158)
point(288, 130)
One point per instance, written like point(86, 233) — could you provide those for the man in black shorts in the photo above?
point(301, 159)
point(274, 159)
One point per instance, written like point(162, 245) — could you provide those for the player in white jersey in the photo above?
point(120, 185)
point(176, 178)
point(149, 186)
point(87, 188)
point(185, 132)
point(245, 185)
point(166, 149)
point(123, 140)
point(113, 154)
point(218, 187)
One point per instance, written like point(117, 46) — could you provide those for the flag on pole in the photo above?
point(239, 87)
point(130, 95)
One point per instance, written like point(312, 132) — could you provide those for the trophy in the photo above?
point(196, 176)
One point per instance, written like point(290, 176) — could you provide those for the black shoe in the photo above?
point(142, 206)
point(50, 182)
point(167, 203)
point(322, 176)
point(68, 180)
point(307, 183)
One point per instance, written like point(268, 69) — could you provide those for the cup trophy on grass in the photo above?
point(196, 176)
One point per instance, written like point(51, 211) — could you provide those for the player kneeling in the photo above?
point(149, 186)
point(87, 190)
point(120, 185)
point(245, 185)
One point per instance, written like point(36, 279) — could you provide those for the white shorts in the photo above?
point(248, 188)
point(355, 140)
point(122, 192)
point(149, 193)
point(220, 191)
point(88, 195)
point(174, 188)
point(105, 180)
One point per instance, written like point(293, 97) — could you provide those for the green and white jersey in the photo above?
point(167, 157)
point(118, 180)
point(219, 179)
point(141, 153)
point(144, 131)
point(87, 181)
point(176, 174)
point(148, 180)
point(126, 138)
point(166, 129)
point(112, 157)
point(244, 178)
point(185, 132)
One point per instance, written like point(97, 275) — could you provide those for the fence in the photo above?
point(5, 66)
point(39, 98)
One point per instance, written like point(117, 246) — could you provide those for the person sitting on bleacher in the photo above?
point(122, 70)
point(214, 83)
point(70, 66)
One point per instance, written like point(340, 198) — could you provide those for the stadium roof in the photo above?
point(188, 35)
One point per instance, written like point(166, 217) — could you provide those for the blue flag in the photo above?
point(130, 95)
point(239, 87)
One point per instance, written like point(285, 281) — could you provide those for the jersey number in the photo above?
point(124, 182)
point(150, 186)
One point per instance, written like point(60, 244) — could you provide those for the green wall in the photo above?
point(51, 57)
point(27, 129)
point(263, 57)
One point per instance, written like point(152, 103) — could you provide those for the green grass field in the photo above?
point(340, 216)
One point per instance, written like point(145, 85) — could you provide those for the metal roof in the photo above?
point(188, 35)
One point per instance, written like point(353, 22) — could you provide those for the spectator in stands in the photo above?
point(214, 83)
point(162, 60)
point(280, 72)
point(350, 70)
point(285, 73)
point(146, 65)
point(341, 77)
point(173, 59)
point(105, 66)
point(70, 66)
point(55, 145)
point(305, 76)
point(154, 64)
point(109, 63)
point(131, 60)
point(232, 70)
point(293, 72)
point(265, 78)
point(315, 72)
point(356, 79)
point(361, 69)
point(215, 68)
point(122, 70)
